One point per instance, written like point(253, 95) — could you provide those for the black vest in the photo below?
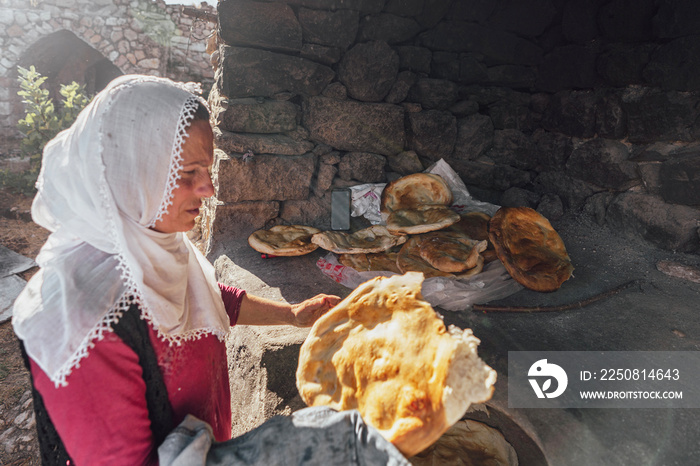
point(134, 332)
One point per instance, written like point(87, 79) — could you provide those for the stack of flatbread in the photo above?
point(423, 234)
point(435, 240)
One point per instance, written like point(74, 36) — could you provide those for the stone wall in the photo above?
point(588, 106)
point(91, 41)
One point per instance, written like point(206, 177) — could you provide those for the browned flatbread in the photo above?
point(414, 190)
point(451, 252)
point(385, 352)
point(410, 260)
point(420, 219)
point(380, 262)
point(368, 240)
point(530, 249)
point(474, 225)
point(284, 240)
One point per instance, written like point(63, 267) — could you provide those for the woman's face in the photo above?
point(195, 181)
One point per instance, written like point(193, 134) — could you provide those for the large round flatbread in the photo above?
point(530, 249)
point(410, 260)
point(421, 219)
point(469, 443)
point(379, 262)
point(385, 352)
point(368, 240)
point(284, 240)
point(414, 190)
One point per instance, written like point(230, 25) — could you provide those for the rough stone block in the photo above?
point(669, 226)
point(369, 70)
point(655, 116)
point(514, 148)
point(414, 58)
point(278, 144)
point(432, 133)
point(330, 28)
point(553, 150)
point(437, 94)
point(573, 192)
point(679, 179)
point(611, 120)
point(255, 116)
point(474, 137)
point(519, 197)
point(265, 178)
point(604, 163)
point(405, 163)
point(247, 72)
point(259, 24)
point(401, 87)
point(354, 126)
point(324, 179)
point(571, 113)
point(362, 166)
point(446, 65)
point(321, 53)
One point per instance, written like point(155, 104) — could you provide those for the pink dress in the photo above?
point(101, 415)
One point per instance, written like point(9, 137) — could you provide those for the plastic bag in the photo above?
point(492, 283)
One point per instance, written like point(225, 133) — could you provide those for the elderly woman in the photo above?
point(124, 324)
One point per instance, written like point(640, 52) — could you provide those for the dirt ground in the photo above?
point(18, 443)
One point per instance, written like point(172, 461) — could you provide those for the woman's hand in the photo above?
point(307, 312)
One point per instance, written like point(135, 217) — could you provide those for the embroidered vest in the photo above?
point(134, 332)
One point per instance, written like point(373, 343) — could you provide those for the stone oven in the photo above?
point(563, 106)
point(577, 108)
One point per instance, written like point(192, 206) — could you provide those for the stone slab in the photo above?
point(10, 288)
point(12, 263)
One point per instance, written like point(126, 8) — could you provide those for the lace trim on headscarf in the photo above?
point(186, 115)
point(133, 294)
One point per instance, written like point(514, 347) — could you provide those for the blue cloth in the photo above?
point(311, 436)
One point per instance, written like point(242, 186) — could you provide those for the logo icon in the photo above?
point(543, 369)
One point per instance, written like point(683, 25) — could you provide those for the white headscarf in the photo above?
point(103, 183)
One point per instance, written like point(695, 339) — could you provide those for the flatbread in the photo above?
point(410, 260)
point(380, 262)
point(420, 219)
point(385, 352)
point(451, 252)
point(474, 225)
point(284, 240)
point(531, 250)
point(414, 190)
point(469, 443)
point(368, 240)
